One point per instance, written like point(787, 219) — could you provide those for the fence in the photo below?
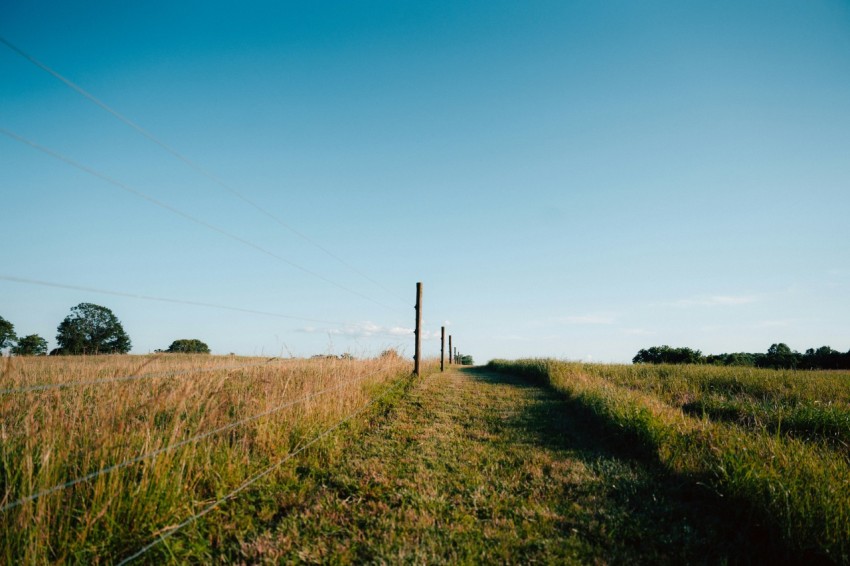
point(86, 442)
point(26, 437)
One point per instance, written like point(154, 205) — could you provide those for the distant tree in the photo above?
point(822, 358)
point(32, 345)
point(740, 359)
point(466, 360)
point(7, 333)
point(667, 355)
point(390, 354)
point(736, 359)
point(780, 356)
point(92, 329)
point(188, 346)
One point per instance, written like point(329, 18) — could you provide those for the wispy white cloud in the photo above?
point(637, 332)
point(514, 338)
point(369, 329)
point(715, 301)
point(360, 330)
point(585, 319)
point(772, 324)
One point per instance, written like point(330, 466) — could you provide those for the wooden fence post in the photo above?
point(450, 349)
point(417, 356)
point(442, 348)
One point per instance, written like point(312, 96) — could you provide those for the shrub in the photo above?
point(188, 346)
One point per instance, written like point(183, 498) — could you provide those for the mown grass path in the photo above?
point(478, 467)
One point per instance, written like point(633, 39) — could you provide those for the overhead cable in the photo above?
point(195, 166)
point(178, 212)
point(28, 281)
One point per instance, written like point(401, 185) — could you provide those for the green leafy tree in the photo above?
point(7, 333)
point(780, 356)
point(822, 358)
point(32, 345)
point(188, 346)
point(92, 329)
point(740, 359)
point(667, 355)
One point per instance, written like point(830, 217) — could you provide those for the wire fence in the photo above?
point(255, 478)
point(144, 376)
point(196, 438)
point(22, 503)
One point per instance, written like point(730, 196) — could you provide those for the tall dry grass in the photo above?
point(49, 437)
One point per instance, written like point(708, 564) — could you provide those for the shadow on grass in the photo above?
point(811, 424)
point(646, 513)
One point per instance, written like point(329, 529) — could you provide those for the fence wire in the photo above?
point(154, 375)
point(255, 478)
point(196, 438)
point(191, 163)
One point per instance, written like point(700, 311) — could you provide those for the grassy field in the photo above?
point(770, 442)
point(480, 467)
point(533, 461)
point(63, 418)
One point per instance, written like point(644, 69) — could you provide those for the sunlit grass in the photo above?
point(770, 440)
point(49, 437)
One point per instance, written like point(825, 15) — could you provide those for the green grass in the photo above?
point(476, 467)
point(814, 405)
point(771, 442)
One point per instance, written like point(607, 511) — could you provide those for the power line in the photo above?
point(367, 331)
point(153, 375)
point(178, 212)
point(195, 166)
point(255, 478)
point(27, 281)
point(155, 453)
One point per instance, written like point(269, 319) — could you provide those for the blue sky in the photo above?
point(568, 179)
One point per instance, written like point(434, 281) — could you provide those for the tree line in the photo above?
point(89, 330)
point(778, 356)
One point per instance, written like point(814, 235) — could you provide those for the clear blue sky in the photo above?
point(568, 179)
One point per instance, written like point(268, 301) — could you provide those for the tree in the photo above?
point(92, 329)
point(7, 333)
point(188, 346)
point(822, 358)
point(780, 356)
point(32, 345)
point(667, 355)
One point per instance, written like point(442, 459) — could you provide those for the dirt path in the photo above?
point(478, 467)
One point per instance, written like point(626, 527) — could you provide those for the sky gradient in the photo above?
point(568, 179)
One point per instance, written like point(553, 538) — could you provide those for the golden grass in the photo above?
point(49, 437)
